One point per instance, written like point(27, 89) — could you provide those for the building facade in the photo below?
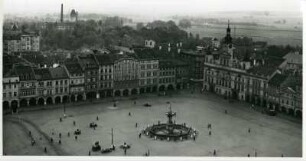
point(91, 69)
point(45, 87)
point(22, 41)
point(61, 85)
point(106, 75)
point(126, 76)
point(76, 81)
point(10, 91)
point(28, 84)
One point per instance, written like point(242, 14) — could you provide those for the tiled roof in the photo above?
point(58, 73)
point(25, 73)
point(106, 59)
point(270, 66)
point(9, 73)
point(293, 81)
point(88, 61)
point(74, 67)
point(42, 74)
point(277, 80)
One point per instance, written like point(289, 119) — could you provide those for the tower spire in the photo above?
point(228, 38)
point(228, 23)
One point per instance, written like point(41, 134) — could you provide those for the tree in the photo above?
point(184, 23)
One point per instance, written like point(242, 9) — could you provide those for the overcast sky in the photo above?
point(148, 7)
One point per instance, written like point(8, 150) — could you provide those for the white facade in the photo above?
point(150, 43)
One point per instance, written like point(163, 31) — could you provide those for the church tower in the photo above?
point(228, 38)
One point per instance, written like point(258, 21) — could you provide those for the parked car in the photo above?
point(147, 105)
point(92, 125)
point(271, 112)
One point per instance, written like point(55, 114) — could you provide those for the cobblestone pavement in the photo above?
point(269, 136)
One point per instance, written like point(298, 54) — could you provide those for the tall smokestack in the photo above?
point(62, 17)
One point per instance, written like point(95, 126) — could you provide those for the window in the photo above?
point(66, 82)
point(148, 74)
point(15, 94)
point(4, 95)
point(149, 66)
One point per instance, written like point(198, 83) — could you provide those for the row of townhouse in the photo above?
point(259, 83)
point(285, 93)
point(254, 77)
point(91, 76)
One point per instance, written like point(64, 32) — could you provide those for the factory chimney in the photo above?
point(62, 17)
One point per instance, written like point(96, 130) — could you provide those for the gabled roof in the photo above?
point(25, 73)
point(270, 66)
point(9, 73)
point(88, 61)
point(58, 73)
point(277, 80)
point(106, 59)
point(42, 74)
point(74, 67)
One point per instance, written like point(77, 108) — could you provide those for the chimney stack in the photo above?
point(62, 17)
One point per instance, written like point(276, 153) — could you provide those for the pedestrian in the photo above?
point(194, 137)
point(89, 153)
point(248, 155)
point(74, 123)
point(215, 152)
point(129, 113)
point(97, 118)
point(136, 124)
point(76, 137)
point(282, 155)
point(94, 127)
point(59, 142)
point(249, 130)
point(209, 133)
point(51, 140)
point(52, 133)
point(30, 133)
point(61, 119)
point(45, 149)
point(68, 134)
point(139, 135)
point(60, 135)
point(255, 153)
point(124, 151)
point(32, 142)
